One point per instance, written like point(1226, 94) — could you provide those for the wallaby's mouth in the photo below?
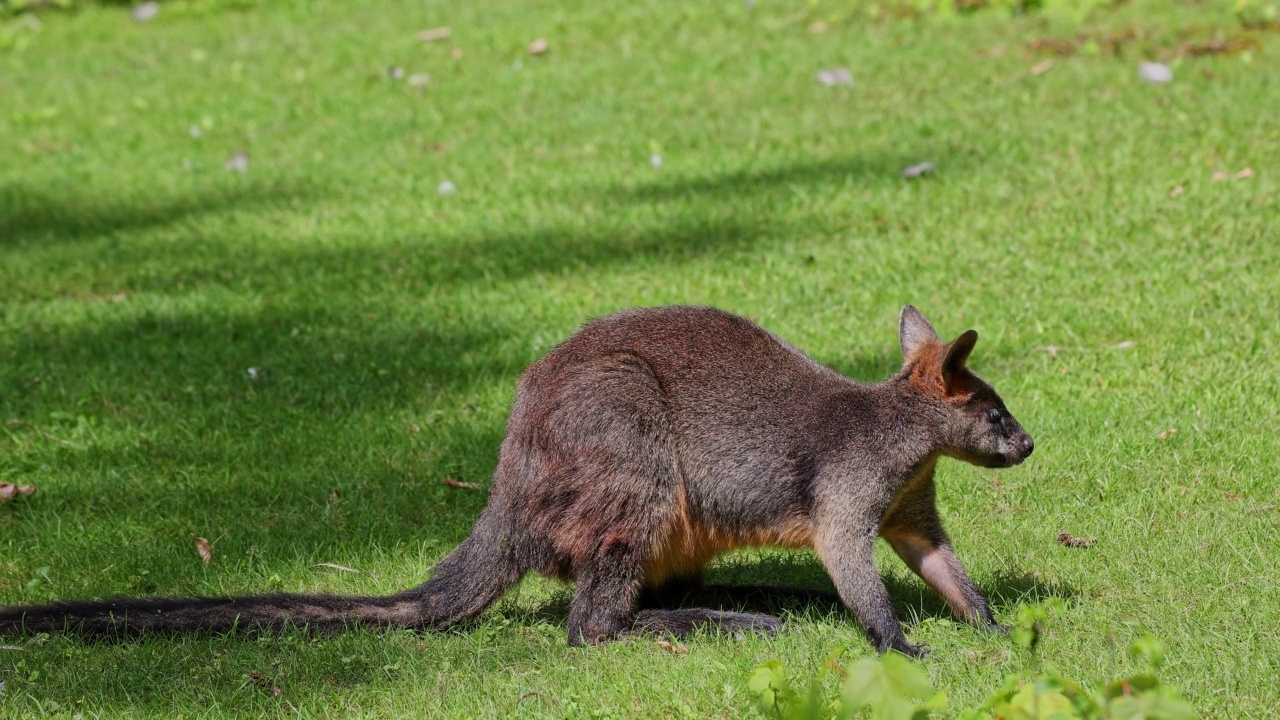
point(1002, 460)
point(1024, 446)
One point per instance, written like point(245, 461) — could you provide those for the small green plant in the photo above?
point(893, 688)
point(1258, 14)
point(13, 7)
point(889, 689)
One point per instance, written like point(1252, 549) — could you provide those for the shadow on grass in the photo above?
point(796, 583)
point(213, 403)
point(335, 440)
point(792, 177)
point(31, 214)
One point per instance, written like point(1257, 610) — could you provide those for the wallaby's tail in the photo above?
point(463, 585)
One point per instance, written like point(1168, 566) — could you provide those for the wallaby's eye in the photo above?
point(994, 415)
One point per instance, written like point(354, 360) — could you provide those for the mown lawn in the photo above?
point(385, 323)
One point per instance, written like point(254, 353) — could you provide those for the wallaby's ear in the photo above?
point(958, 354)
point(914, 331)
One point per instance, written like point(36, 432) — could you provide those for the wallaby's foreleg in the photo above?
point(931, 557)
point(605, 606)
point(915, 532)
point(848, 552)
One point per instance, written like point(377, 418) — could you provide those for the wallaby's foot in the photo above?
point(902, 646)
point(995, 628)
point(686, 622)
point(601, 627)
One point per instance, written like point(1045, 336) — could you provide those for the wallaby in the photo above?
point(650, 442)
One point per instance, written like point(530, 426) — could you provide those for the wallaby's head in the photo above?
point(975, 425)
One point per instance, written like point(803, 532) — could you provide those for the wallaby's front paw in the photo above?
point(995, 627)
point(915, 651)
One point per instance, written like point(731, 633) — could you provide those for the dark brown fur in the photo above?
point(649, 443)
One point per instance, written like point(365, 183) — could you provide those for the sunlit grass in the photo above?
point(386, 323)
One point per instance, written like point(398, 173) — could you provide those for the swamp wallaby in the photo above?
point(647, 444)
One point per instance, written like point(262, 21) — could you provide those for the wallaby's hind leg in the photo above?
point(687, 621)
point(664, 616)
point(604, 601)
point(604, 608)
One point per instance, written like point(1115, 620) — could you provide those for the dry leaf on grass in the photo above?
point(9, 491)
point(817, 28)
point(1218, 176)
point(676, 648)
point(1243, 174)
point(1165, 434)
point(459, 484)
point(263, 681)
point(1221, 46)
point(1125, 345)
point(434, 34)
point(1060, 46)
point(537, 47)
point(1041, 68)
point(1176, 191)
point(202, 547)
point(1070, 540)
point(335, 566)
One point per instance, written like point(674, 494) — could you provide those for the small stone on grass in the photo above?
point(145, 12)
point(831, 77)
point(919, 170)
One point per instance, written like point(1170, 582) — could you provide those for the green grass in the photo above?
point(141, 279)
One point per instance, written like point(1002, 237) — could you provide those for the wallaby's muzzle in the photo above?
point(1017, 449)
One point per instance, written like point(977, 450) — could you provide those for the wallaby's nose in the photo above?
point(1028, 445)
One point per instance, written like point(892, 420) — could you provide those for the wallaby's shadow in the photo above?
point(798, 585)
point(1006, 589)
